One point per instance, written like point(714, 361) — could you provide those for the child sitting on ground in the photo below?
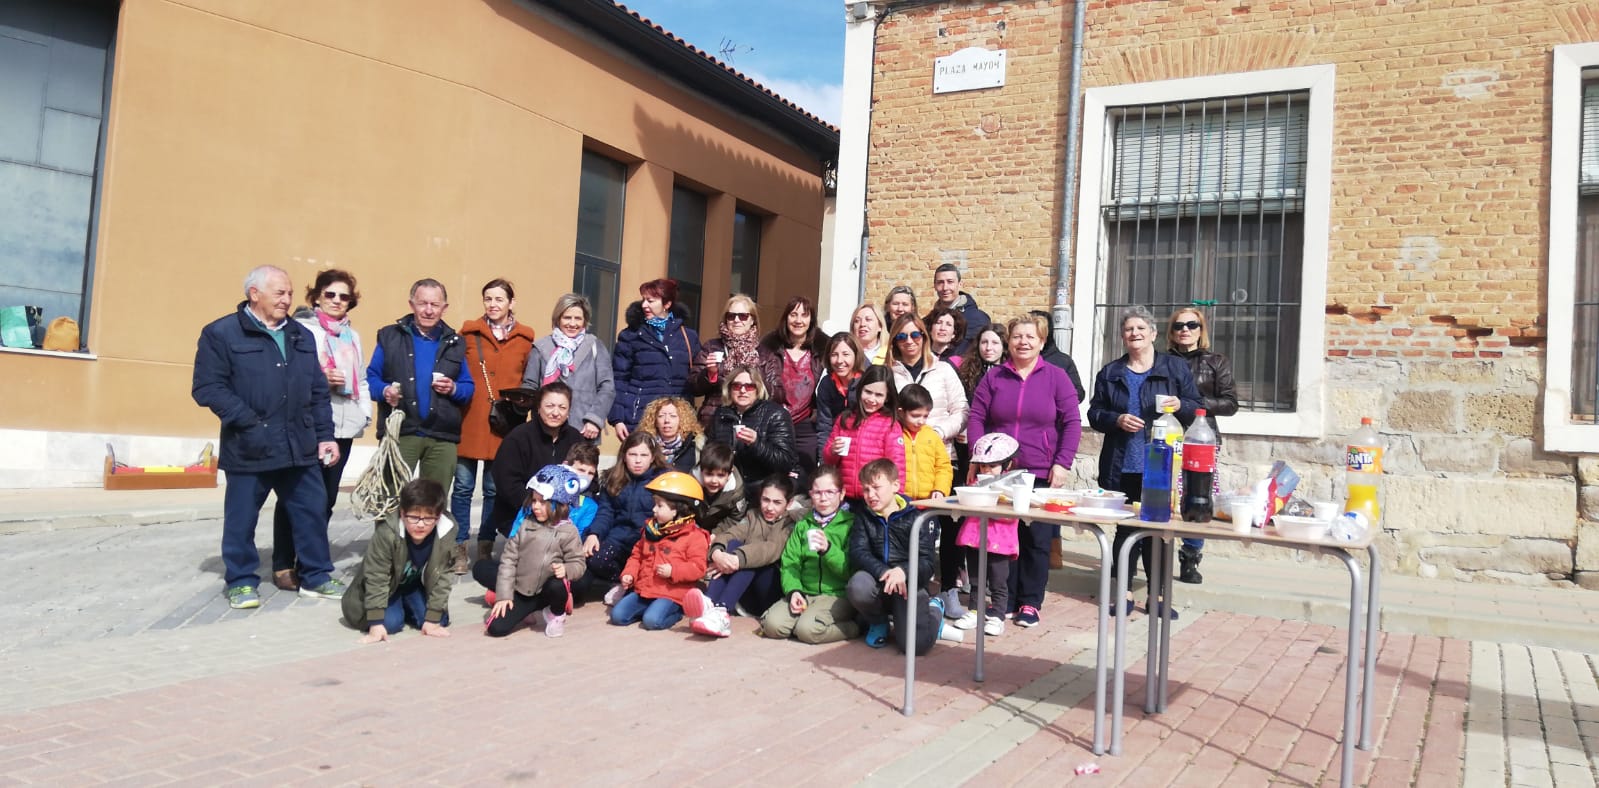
point(669, 560)
point(879, 548)
point(724, 487)
point(542, 557)
point(815, 570)
point(991, 455)
point(744, 555)
point(405, 576)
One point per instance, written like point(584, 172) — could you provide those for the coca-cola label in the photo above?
point(1364, 459)
point(1199, 457)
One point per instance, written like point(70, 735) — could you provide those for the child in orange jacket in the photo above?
point(668, 560)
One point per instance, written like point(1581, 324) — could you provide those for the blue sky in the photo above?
point(793, 47)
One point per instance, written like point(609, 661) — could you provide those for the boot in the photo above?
point(1188, 565)
point(460, 560)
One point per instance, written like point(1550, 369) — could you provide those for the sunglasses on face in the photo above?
point(1192, 325)
point(335, 296)
point(733, 317)
point(911, 335)
point(742, 386)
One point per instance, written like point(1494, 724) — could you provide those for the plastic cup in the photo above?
point(1325, 510)
point(1243, 516)
point(1021, 497)
point(815, 537)
point(844, 450)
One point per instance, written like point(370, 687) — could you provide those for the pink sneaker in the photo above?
point(715, 623)
point(488, 598)
point(613, 595)
point(695, 603)
point(554, 625)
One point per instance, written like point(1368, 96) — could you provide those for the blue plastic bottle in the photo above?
point(1156, 506)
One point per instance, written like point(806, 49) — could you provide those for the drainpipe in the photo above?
point(1061, 314)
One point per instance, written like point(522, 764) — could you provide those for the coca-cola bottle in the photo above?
point(1199, 470)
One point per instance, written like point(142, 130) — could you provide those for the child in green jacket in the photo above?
point(815, 570)
point(405, 577)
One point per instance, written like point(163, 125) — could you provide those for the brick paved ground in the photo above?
point(124, 668)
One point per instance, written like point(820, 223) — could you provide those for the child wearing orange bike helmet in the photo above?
point(669, 559)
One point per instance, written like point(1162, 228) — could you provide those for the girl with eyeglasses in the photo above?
point(1189, 339)
point(759, 430)
point(738, 344)
point(338, 349)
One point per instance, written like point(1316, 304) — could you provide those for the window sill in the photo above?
point(52, 353)
point(1294, 424)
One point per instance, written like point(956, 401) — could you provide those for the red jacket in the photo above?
point(877, 436)
point(685, 552)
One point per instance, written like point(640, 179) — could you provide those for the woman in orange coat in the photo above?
point(497, 348)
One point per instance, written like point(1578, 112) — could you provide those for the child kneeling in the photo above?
point(668, 560)
point(405, 577)
point(879, 547)
point(542, 558)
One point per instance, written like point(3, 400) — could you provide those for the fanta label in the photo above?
point(1364, 459)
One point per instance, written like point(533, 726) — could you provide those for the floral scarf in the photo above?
point(341, 352)
point(559, 367)
point(655, 532)
point(501, 331)
point(741, 351)
point(657, 323)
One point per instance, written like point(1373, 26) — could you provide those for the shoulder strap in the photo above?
point(483, 367)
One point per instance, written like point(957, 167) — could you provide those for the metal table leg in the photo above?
point(1373, 611)
point(1168, 557)
point(1152, 654)
point(910, 619)
point(1351, 667)
point(1120, 680)
point(1099, 640)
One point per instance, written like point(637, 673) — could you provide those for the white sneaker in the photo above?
point(614, 595)
point(994, 626)
point(714, 622)
point(968, 621)
point(951, 634)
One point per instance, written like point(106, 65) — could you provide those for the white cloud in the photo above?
point(818, 98)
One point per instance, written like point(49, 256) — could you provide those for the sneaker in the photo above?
point(1157, 608)
point(740, 610)
point(993, 626)
point(243, 598)
point(286, 579)
point(938, 603)
point(968, 621)
point(488, 598)
point(695, 603)
point(1123, 609)
point(952, 604)
point(554, 625)
point(331, 589)
point(964, 583)
point(613, 595)
point(714, 623)
point(1027, 616)
point(877, 634)
point(950, 633)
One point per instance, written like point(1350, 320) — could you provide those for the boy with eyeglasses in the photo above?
point(405, 577)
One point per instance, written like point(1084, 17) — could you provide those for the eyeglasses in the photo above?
point(414, 520)
point(825, 493)
point(1192, 325)
point(336, 296)
point(741, 386)
point(911, 335)
point(734, 317)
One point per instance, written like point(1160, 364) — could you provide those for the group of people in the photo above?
point(783, 495)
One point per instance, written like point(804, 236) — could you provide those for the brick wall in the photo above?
point(1436, 273)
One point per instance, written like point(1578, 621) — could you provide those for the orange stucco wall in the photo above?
point(396, 139)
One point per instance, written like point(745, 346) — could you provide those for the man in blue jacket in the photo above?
point(257, 371)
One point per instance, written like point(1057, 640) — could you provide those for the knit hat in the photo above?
point(557, 484)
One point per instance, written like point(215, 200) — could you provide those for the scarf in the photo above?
point(670, 447)
point(559, 367)
point(821, 522)
point(659, 324)
point(655, 532)
point(341, 352)
point(741, 351)
point(501, 332)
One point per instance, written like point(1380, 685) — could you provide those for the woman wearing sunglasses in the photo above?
point(338, 350)
point(1189, 338)
point(738, 343)
point(759, 430)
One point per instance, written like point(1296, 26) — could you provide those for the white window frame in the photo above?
point(1565, 136)
point(1088, 279)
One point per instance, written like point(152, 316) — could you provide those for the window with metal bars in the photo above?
point(1204, 206)
point(1585, 313)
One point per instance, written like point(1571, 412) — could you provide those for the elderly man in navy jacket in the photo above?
point(257, 371)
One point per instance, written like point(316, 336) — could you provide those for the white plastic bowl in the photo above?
point(1107, 499)
point(1301, 527)
point(978, 496)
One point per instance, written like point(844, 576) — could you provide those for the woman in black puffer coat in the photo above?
point(759, 430)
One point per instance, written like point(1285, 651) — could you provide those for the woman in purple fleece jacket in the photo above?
point(1037, 405)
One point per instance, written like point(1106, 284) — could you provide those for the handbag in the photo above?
point(504, 415)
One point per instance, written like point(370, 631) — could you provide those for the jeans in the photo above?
point(760, 585)
point(283, 533)
point(461, 498)
point(302, 498)
point(409, 607)
point(655, 613)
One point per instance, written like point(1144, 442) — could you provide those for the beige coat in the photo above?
point(529, 557)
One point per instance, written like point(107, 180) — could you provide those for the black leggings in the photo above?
point(951, 556)
point(1133, 485)
point(552, 596)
